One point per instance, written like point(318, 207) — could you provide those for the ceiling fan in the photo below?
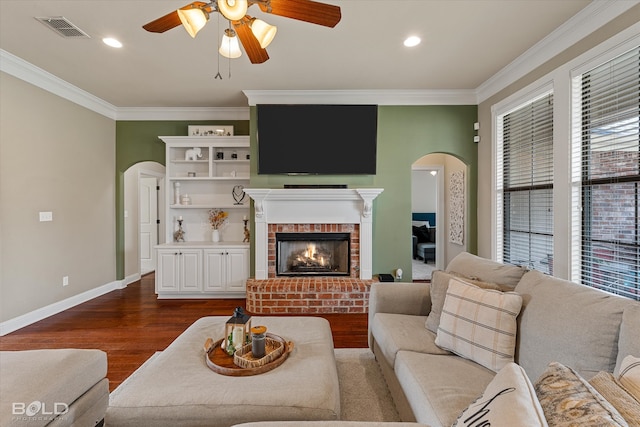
point(254, 34)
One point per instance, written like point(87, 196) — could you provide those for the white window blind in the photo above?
point(525, 183)
point(610, 176)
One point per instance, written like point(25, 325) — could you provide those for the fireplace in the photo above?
point(313, 254)
point(312, 212)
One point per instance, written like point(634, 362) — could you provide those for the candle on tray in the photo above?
point(238, 337)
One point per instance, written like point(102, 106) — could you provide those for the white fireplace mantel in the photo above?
point(313, 206)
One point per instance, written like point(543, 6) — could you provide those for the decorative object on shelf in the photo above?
point(206, 130)
point(248, 156)
point(191, 174)
point(238, 194)
point(215, 236)
point(217, 218)
point(193, 153)
point(185, 200)
point(178, 235)
point(219, 155)
point(234, 155)
point(237, 331)
point(176, 186)
point(247, 234)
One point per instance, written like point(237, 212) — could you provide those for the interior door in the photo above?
point(148, 195)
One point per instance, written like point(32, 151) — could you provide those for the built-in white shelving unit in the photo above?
point(202, 173)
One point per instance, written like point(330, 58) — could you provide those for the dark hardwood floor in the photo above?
point(131, 324)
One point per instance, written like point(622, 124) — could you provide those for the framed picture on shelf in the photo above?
point(210, 130)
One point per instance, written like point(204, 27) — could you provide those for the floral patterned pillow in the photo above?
point(568, 400)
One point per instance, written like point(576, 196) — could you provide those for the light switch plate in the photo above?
point(46, 216)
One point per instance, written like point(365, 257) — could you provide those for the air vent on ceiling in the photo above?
point(62, 26)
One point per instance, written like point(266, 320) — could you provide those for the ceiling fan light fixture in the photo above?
point(233, 10)
point(193, 20)
point(263, 32)
point(229, 47)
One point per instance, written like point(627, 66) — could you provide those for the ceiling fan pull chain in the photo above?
point(218, 76)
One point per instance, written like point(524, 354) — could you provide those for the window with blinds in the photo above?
point(525, 184)
point(610, 176)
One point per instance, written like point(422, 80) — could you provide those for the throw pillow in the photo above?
point(629, 375)
point(568, 400)
point(509, 400)
point(478, 268)
point(422, 233)
point(607, 385)
point(438, 290)
point(628, 342)
point(479, 324)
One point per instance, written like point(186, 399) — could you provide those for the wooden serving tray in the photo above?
point(219, 361)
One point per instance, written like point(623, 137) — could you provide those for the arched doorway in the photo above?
point(438, 212)
point(142, 217)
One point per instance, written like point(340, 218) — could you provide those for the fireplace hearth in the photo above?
point(313, 254)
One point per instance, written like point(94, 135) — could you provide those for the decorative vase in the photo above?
point(215, 235)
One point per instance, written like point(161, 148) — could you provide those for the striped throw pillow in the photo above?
point(479, 324)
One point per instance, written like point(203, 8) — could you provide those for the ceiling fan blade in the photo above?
point(256, 54)
point(170, 20)
point(304, 10)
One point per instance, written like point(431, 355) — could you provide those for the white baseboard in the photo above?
point(27, 319)
point(130, 279)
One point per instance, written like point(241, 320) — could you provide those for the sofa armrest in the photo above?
point(398, 298)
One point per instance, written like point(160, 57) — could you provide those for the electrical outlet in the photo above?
point(65, 281)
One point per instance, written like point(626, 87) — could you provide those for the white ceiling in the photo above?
point(464, 43)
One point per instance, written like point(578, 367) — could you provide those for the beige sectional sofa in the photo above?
point(53, 387)
point(581, 328)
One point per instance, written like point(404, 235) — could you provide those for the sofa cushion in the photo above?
point(629, 341)
point(629, 375)
point(438, 388)
point(439, 285)
point(483, 269)
point(509, 400)
point(568, 400)
point(48, 377)
point(396, 332)
point(568, 323)
point(607, 385)
point(479, 324)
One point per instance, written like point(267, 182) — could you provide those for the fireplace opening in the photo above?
point(313, 254)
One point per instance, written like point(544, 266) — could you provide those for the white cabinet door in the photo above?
point(214, 270)
point(190, 270)
point(168, 271)
point(237, 269)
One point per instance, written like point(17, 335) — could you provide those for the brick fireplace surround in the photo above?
point(311, 210)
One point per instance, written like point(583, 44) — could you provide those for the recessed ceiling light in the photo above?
point(412, 41)
point(111, 42)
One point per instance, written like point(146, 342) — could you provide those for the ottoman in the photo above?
point(177, 387)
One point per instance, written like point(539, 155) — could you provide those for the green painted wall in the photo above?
point(405, 133)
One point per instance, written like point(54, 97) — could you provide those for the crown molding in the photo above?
point(183, 113)
point(379, 97)
point(585, 22)
point(38, 77)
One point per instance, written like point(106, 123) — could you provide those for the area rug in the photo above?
point(364, 395)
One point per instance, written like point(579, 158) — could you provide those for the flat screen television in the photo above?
point(301, 139)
